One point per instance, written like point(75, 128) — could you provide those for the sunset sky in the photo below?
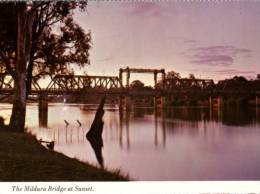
point(209, 39)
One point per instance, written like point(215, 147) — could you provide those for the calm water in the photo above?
point(177, 144)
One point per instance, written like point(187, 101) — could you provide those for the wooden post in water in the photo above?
point(43, 110)
point(94, 135)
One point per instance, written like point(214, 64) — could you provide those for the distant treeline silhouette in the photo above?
point(174, 81)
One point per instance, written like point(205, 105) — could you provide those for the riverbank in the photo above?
point(24, 159)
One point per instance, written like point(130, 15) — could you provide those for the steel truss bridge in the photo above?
point(65, 84)
point(77, 84)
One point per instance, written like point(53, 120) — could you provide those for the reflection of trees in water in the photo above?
point(159, 121)
point(141, 112)
point(235, 116)
point(177, 126)
point(190, 114)
point(174, 120)
point(125, 126)
point(124, 122)
point(198, 121)
point(227, 115)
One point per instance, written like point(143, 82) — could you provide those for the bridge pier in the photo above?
point(215, 102)
point(43, 110)
point(257, 105)
point(257, 101)
point(215, 107)
point(127, 77)
point(125, 102)
point(159, 102)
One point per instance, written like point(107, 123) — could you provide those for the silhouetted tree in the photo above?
point(191, 76)
point(171, 80)
point(255, 85)
point(173, 75)
point(38, 39)
point(236, 83)
point(57, 40)
point(137, 84)
point(15, 53)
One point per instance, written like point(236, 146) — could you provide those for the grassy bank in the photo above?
point(24, 159)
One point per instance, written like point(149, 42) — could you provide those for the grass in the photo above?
point(24, 159)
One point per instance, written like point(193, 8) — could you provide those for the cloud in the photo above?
point(150, 9)
point(215, 55)
point(227, 71)
point(230, 71)
point(212, 59)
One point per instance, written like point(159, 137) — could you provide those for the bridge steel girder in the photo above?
point(185, 83)
point(72, 83)
point(7, 82)
point(128, 70)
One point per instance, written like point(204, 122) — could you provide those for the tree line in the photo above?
point(174, 81)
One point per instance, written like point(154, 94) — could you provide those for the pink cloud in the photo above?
point(215, 55)
point(148, 9)
point(212, 59)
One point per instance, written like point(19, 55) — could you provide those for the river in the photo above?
point(174, 144)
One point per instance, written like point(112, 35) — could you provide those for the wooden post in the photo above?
point(94, 135)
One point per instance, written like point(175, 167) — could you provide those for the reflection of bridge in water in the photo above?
point(118, 128)
point(163, 122)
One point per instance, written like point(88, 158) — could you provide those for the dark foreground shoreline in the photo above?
point(23, 158)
